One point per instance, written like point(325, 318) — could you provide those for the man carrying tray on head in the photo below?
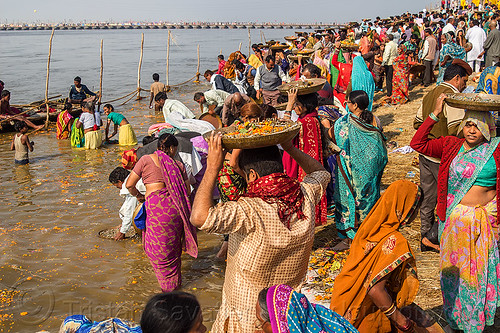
point(271, 227)
point(455, 80)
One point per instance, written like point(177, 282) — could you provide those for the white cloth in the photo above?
point(214, 97)
point(477, 37)
point(193, 125)
point(172, 105)
point(89, 120)
point(448, 27)
point(126, 211)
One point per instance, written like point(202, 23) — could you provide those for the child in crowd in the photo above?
point(21, 143)
point(118, 177)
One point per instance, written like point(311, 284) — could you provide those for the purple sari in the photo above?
point(168, 230)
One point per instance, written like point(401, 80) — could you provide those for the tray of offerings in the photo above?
point(474, 102)
point(257, 135)
point(349, 46)
point(290, 38)
point(279, 47)
point(308, 86)
point(303, 52)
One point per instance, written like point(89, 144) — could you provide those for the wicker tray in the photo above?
point(309, 87)
point(291, 38)
point(212, 119)
point(474, 102)
point(110, 233)
point(279, 47)
point(349, 47)
point(296, 57)
point(256, 141)
point(303, 52)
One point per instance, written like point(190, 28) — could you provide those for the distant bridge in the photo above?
point(111, 26)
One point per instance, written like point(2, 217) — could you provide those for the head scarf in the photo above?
point(484, 122)
point(278, 188)
point(290, 311)
point(377, 250)
point(452, 49)
point(362, 79)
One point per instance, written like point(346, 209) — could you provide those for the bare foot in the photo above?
point(222, 254)
point(343, 245)
point(428, 243)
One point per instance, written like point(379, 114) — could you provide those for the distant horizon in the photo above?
point(260, 11)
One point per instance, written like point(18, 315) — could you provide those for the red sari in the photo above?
point(308, 141)
point(345, 71)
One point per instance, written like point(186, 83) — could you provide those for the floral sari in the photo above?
point(63, 131)
point(168, 230)
point(470, 264)
point(290, 311)
point(489, 83)
point(360, 165)
point(452, 49)
point(400, 79)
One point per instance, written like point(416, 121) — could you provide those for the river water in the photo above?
point(52, 264)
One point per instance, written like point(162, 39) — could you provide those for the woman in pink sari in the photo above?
point(168, 230)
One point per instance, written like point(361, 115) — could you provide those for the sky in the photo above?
point(291, 11)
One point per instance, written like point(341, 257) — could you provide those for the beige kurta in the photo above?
point(262, 251)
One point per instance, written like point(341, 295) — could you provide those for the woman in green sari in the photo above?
point(360, 165)
point(467, 213)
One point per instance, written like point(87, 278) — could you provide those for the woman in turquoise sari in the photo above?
point(361, 163)
point(362, 79)
point(282, 310)
point(449, 51)
point(467, 214)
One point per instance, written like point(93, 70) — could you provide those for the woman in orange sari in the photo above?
point(379, 277)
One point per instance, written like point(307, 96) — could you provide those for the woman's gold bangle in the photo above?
point(390, 311)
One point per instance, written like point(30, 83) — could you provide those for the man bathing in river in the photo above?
point(271, 228)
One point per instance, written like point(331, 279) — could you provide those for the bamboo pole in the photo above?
point(239, 48)
point(100, 80)
point(47, 80)
point(198, 66)
point(139, 69)
point(249, 42)
point(168, 55)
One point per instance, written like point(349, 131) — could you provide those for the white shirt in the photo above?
point(477, 37)
point(172, 105)
point(214, 97)
point(127, 209)
point(89, 120)
point(449, 27)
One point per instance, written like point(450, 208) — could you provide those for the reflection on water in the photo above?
point(52, 263)
point(53, 209)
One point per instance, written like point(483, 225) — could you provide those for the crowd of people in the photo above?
point(268, 201)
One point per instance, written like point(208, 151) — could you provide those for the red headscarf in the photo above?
point(280, 189)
